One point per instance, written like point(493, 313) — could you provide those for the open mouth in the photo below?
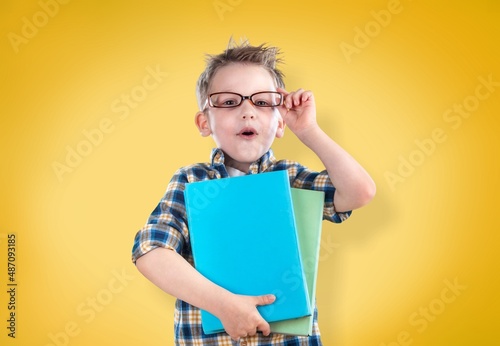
point(247, 132)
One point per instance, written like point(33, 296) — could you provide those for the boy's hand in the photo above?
point(241, 318)
point(298, 110)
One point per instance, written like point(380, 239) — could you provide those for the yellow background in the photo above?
point(390, 260)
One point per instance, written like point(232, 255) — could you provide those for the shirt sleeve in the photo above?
point(303, 178)
point(166, 227)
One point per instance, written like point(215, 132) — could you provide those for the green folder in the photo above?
point(308, 210)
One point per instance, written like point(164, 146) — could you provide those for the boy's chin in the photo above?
point(238, 158)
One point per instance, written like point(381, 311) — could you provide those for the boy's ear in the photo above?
point(201, 121)
point(280, 131)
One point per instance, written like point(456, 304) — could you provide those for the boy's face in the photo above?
point(245, 132)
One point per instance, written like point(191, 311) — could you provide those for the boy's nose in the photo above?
point(248, 110)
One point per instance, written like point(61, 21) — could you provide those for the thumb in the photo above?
point(265, 299)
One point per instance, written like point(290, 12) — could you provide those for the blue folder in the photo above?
point(243, 237)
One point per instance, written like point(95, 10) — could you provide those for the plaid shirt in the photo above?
point(167, 227)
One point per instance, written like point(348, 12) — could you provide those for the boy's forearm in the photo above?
point(354, 187)
point(173, 274)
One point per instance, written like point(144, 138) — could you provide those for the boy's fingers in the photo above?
point(264, 327)
point(306, 96)
point(286, 97)
point(265, 299)
point(294, 98)
point(283, 91)
point(253, 332)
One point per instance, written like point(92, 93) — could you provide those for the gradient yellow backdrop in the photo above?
point(410, 88)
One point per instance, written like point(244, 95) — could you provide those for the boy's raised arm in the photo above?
point(354, 187)
point(173, 274)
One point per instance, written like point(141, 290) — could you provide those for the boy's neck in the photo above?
point(240, 166)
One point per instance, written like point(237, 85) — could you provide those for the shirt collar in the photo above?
point(261, 165)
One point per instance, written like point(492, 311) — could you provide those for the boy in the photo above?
point(243, 106)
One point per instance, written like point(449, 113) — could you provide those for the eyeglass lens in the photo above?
point(261, 99)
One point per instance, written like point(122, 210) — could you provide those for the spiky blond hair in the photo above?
point(262, 55)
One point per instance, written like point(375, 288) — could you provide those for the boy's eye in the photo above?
point(230, 102)
point(261, 103)
point(226, 100)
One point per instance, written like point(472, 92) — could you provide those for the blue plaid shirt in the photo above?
point(167, 227)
